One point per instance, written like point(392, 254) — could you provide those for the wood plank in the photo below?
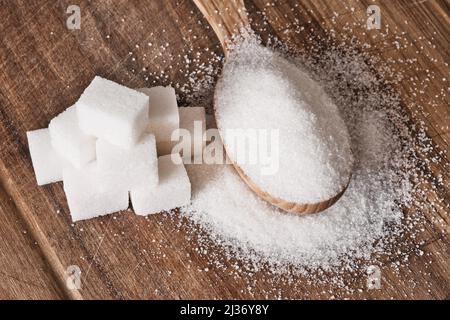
point(45, 67)
point(24, 272)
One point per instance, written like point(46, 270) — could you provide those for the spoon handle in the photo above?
point(226, 17)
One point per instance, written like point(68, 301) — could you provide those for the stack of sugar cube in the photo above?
point(105, 149)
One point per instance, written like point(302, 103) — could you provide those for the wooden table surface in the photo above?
point(45, 67)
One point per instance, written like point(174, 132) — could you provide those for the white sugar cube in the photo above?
point(136, 167)
point(163, 116)
point(68, 139)
point(193, 120)
point(113, 112)
point(89, 196)
point(47, 164)
point(173, 190)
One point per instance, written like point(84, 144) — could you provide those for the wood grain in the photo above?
point(227, 18)
point(45, 67)
point(24, 273)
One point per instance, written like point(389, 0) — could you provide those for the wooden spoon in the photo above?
point(228, 18)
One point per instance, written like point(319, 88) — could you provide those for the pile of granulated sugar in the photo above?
point(368, 220)
point(260, 89)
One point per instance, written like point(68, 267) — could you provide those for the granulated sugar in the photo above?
point(366, 220)
point(260, 89)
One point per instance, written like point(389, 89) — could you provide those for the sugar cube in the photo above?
point(136, 167)
point(47, 164)
point(88, 194)
point(68, 139)
point(173, 190)
point(163, 116)
point(113, 112)
point(193, 120)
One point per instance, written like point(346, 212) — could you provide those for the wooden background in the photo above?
point(45, 67)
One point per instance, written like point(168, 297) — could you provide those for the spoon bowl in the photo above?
point(227, 20)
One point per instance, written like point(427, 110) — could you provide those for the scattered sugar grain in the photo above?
point(233, 215)
point(367, 221)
